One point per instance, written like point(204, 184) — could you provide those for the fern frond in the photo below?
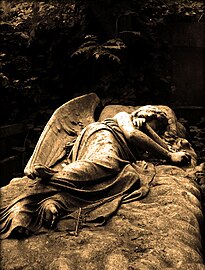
point(93, 48)
point(114, 57)
point(113, 47)
point(115, 44)
point(135, 33)
point(91, 37)
point(104, 53)
point(89, 43)
point(114, 41)
point(84, 50)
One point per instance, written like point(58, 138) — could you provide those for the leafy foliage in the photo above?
point(54, 50)
point(158, 11)
point(40, 41)
point(145, 73)
point(32, 33)
point(91, 47)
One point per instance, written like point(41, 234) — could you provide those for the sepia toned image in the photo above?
point(102, 135)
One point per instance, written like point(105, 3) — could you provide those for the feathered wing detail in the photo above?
point(63, 127)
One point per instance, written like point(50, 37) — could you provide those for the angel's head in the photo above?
point(155, 117)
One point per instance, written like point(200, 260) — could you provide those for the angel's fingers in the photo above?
point(141, 121)
point(134, 122)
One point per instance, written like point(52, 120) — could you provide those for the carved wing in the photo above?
point(63, 127)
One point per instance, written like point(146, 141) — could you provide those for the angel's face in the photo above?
point(153, 117)
point(147, 112)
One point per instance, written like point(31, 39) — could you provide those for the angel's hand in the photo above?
point(30, 174)
point(138, 121)
point(180, 158)
point(43, 171)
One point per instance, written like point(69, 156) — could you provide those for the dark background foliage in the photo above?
point(129, 60)
point(52, 51)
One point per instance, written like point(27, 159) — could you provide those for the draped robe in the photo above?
point(94, 177)
point(103, 173)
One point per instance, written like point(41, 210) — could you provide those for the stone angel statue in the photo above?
point(83, 168)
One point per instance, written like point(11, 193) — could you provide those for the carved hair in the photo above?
point(150, 112)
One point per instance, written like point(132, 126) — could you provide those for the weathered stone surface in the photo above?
point(161, 231)
point(158, 232)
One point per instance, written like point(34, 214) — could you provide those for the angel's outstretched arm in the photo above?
point(141, 140)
